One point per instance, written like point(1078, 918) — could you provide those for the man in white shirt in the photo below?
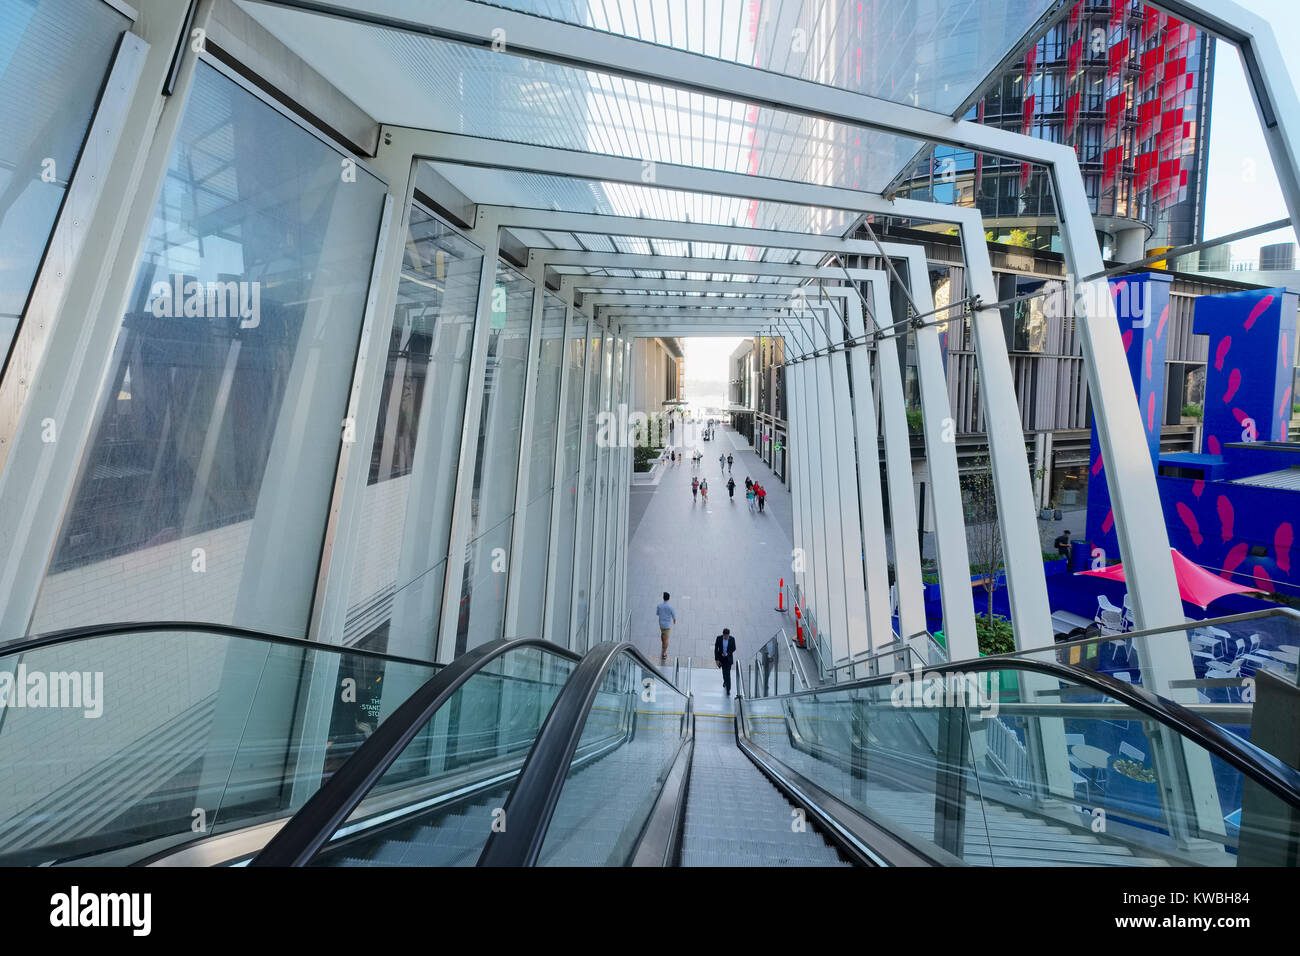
point(667, 618)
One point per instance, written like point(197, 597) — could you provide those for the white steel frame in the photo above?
point(103, 271)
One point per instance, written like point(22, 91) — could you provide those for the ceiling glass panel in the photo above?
point(570, 194)
point(409, 79)
point(928, 53)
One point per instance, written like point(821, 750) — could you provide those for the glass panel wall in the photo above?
point(566, 513)
point(54, 55)
point(395, 591)
point(496, 466)
point(205, 483)
point(587, 510)
point(541, 470)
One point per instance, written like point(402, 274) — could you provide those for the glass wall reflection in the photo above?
point(481, 616)
point(204, 487)
point(566, 515)
point(395, 593)
point(54, 55)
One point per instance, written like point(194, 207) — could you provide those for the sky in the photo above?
point(1242, 189)
point(707, 369)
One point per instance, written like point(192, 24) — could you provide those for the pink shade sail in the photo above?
point(1195, 584)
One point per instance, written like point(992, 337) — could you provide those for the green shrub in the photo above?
point(643, 457)
point(995, 634)
point(1192, 411)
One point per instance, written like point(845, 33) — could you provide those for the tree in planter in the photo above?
point(983, 535)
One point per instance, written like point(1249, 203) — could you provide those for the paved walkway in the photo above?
point(720, 563)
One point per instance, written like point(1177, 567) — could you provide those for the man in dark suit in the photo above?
point(724, 655)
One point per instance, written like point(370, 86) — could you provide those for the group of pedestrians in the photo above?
point(755, 494)
point(724, 645)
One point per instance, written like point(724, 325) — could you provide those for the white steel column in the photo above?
point(819, 601)
point(940, 434)
point(572, 322)
point(613, 497)
point(488, 235)
point(795, 440)
point(880, 628)
point(519, 522)
point(898, 472)
point(822, 370)
point(578, 586)
point(1140, 528)
point(1022, 551)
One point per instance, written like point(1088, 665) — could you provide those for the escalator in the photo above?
point(208, 745)
point(187, 744)
point(625, 770)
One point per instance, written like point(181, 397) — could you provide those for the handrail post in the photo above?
point(858, 750)
point(950, 781)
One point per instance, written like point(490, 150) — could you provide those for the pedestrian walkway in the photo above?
point(720, 562)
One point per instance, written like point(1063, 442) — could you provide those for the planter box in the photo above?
point(1059, 566)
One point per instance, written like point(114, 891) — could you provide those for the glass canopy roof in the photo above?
point(929, 53)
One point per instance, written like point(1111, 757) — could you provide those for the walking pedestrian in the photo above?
point(729, 460)
point(724, 655)
point(667, 618)
point(704, 489)
point(762, 496)
point(722, 463)
point(750, 497)
point(695, 487)
point(731, 488)
point(748, 484)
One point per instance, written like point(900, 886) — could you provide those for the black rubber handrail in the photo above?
point(315, 822)
point(536, 793)
point(1260, 766)
point(73, 634)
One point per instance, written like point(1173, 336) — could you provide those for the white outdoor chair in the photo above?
point(1119, 647)
point(1130, 622)
point(1212, 649)
point(1128, 750)
point(1108, 616)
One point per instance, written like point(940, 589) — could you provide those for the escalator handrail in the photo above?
point(71, 635)
point(1280, 779)
point(315, 822)
point(536, 793)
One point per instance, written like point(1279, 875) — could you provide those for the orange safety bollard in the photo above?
point(798, 624)
point(780, 597)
